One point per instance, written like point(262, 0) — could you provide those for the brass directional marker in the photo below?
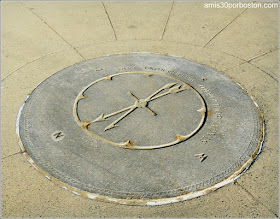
point(139, 103)
point(166, 89)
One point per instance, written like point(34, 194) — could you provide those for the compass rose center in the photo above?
point(141, 103)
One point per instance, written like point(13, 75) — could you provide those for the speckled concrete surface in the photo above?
point(41, 38)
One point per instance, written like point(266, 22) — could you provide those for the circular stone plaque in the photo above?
point(140, 129)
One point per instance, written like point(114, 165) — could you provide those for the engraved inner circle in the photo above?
point(140, 110)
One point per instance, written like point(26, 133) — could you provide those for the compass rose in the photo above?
point(140, 103)
point(164, 90)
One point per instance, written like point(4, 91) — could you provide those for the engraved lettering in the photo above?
point(126, 68)
point(156, 69)
point(210, 133)
point(202, 156)
point(57, 136)
point(215, 104)
point(205, 139)
point(181, 75)
point(172, 72)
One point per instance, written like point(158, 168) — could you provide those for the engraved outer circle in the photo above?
point(79, 126)
point(167, 89)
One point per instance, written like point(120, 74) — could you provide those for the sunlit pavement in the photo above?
point(41, 38)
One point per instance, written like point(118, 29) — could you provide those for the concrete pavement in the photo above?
point(41, 38)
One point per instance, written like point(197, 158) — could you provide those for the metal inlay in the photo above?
point(172, 87)
point(140, 129)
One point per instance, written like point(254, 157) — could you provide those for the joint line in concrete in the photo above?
point(252, 65)
point(264, 72)
point(224, 28)
point(53, 30)
point(10, 73)
point(254, 198)
point(168, 18)
point(11, 155)
point(110, 21)
point(263, 54)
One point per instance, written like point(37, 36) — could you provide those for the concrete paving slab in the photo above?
point(265, 90)
point(17, 86)
point(78, 23)
point(260, 85)
point(209, 57)
point(34, 208)
point(255, 29)
point(138, 20)
point(268, 63)
point(26, 193)
point(24, 38)
point(196, 29)
point(265, 191)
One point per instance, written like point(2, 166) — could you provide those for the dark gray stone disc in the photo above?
point(140, 127)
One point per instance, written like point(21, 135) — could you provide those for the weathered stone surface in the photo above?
point(140, 126)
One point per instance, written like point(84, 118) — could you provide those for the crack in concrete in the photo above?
point(168, 18)
point(73, 47)
point(110, 21)
point(223, 28)
point(255, 199)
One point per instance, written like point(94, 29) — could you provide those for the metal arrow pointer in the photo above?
point(172, 90)
point(158, 91)
point(103, 117)
point(140, 103)
point(113, 125)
